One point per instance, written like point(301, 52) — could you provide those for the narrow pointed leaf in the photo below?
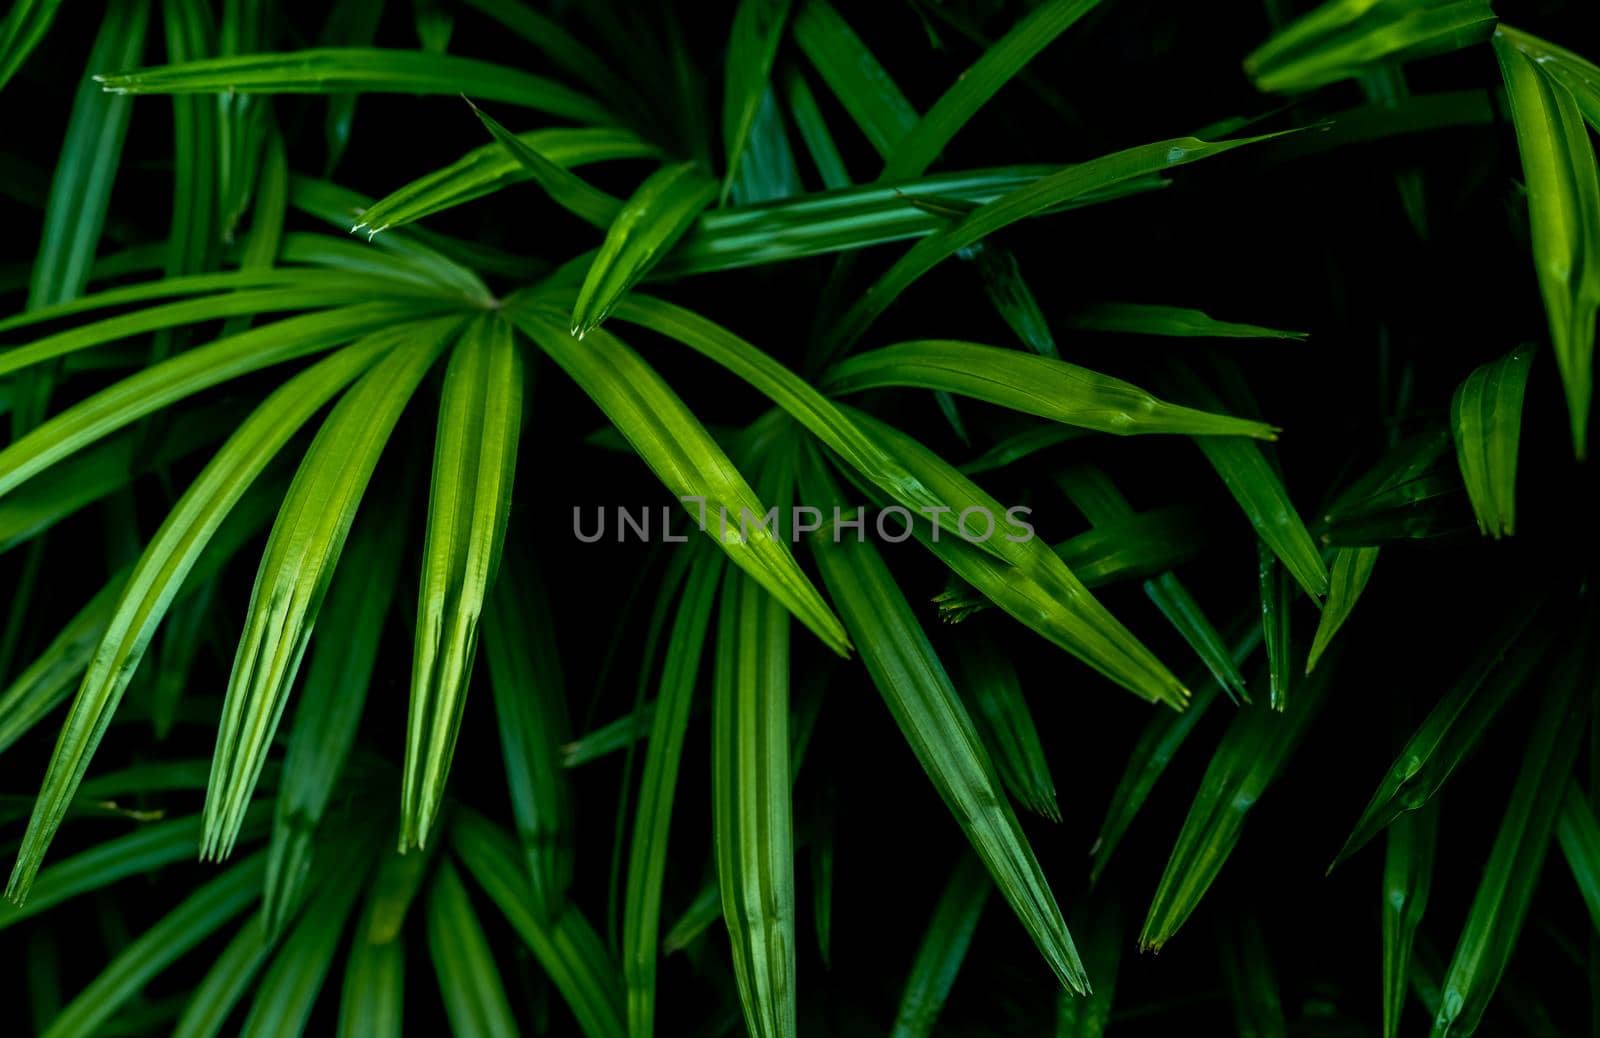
point(355, 70)
point(1512, 869)
point(925, 705)
point(530, 700)
point(752, 818)
point(1559, 167)
point(1163, 735)
point(1073, 182)
point(474, 997)
point(289, 989)
point(214, 999)
point(647, 863)
point(1023, 576)
point(159, 575)
point(1407, 879)
point(646, 227)
point(685, 458)
point(1577, 74)
point(752, 45)
point(474, 465)
point(1454, 727)
point(298, 565)
point(568, 190)
point(330, 708)
point(1486, 421)
point(917, 149)
point(1250, 756)
point(1342, 37)
point(1252, 984)
point(372, 1000)
point(1277, 600)
point(1153, 319)
point(1034, 385)
point(23, 28)
point(854, 75)
point(943, 948)
point(569, 950)
point(1348, 576)
point(1004, 720)
point(492, 167)
point(204, 912)
point(186, 374)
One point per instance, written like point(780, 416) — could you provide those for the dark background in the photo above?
point(1316, 241)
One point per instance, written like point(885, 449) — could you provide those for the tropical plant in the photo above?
point(316, 366)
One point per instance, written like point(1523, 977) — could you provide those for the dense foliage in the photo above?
point(1278, 319)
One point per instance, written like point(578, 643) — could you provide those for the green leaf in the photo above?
point(1013, 300)
point(569, 950)
point(944, 946)
point(1486, 421)
point(1182, 321)
point(647, 226)
point(288, 991)
point(345, 291)
point(1351, 569)
point(1025, 577)
point(1025, 444)
point(189, 373)
point(357, 70)
point(685, 458)
point(852, 218)
point(924, 703)
point(854, 75)
point(1257, 486)
point(80, 191)
point(372, 1001)
point(1033, 385)
point(1254, 749)
point(1455, 726)
point(1579, 834)
point(1093, 493)
point(69, 486)
point(298, 565)
point(204, 912)
point(141, 851)
point(563, 49)
point(474, 997)
point(917, 149)
point(568, 190)
point(1252, 986)
point(647, 863)
point(1277, 601)
point(1006, 724)
point(1577, 74)
point(1342, 37)
point(1558, 164)
point(160, 573)
point(1407, 879)
point(1074, 182)
point(1512, 869)
point(330, 708)
point(25, 25)
point(474, 465)
point(1172, 597)
point(530, 701)
point(808, 119)
point(752, 819)
point(768, 171)
point(214, 999)
point(1088, 1016)
point(752, 45)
